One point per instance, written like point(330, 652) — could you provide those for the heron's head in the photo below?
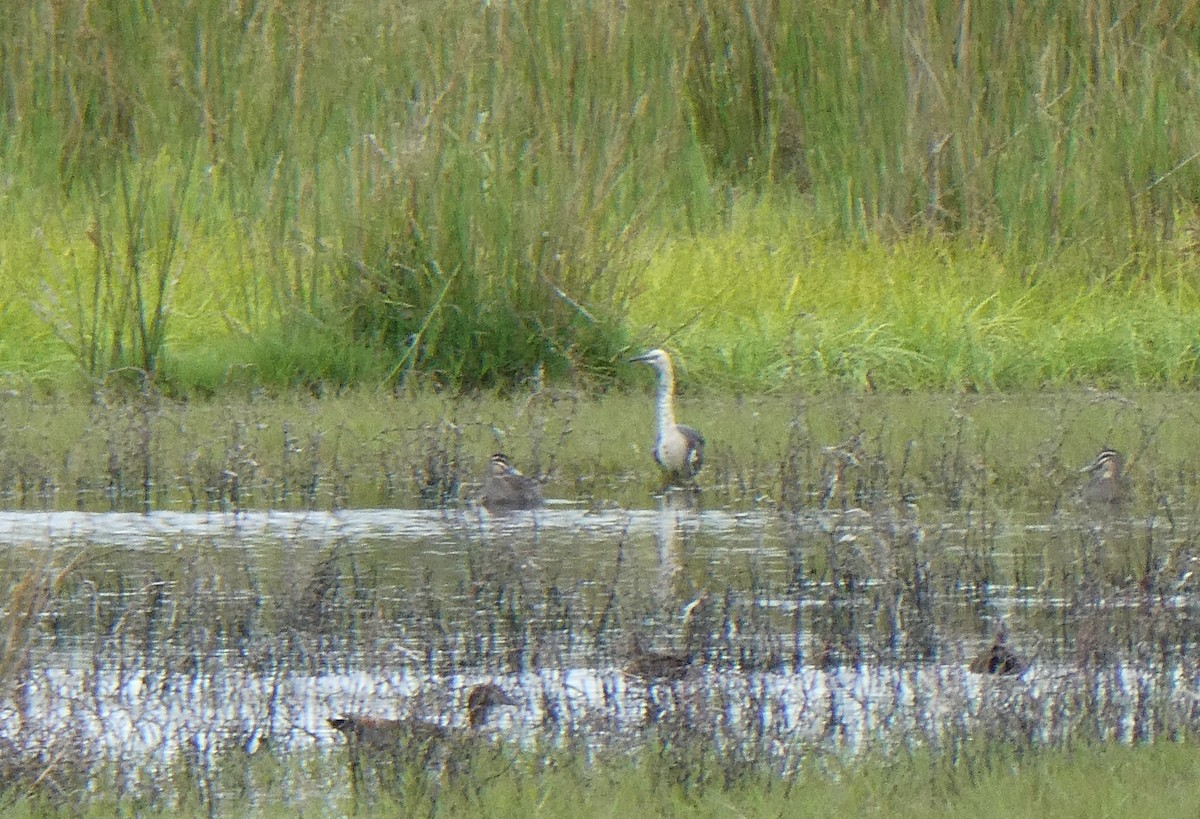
point(658, 359)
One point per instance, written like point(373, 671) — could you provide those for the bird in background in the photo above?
point(670, 666)
point(999, 658)
point(667, 666)
point(380, 733)
point(1106, 484)
point(678, 449)
point(506, 488)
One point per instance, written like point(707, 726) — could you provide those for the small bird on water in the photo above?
point(998, 658)
point(379, 733)
point(665, 666)
point(506, 488)
point(678, 449)
point(1106, 484)
point(668, 666)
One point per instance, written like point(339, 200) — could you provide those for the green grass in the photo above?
point(1100, 781)
point(368, 448)
point(1088, 782)
point(960, 196)
point(775, 300)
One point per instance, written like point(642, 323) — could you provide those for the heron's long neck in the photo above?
point(666, 400)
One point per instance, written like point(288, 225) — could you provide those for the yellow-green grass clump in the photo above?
point(774, 299)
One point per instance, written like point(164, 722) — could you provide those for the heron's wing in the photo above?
point(695, 443)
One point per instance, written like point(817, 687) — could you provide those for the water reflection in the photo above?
point(834, 629)
point(131, 714)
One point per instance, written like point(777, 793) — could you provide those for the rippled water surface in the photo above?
point(827, 628)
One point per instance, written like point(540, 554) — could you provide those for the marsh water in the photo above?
point(190, 594)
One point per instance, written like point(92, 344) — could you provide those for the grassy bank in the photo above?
point(924, 195)
point(774, 300)
point(1098, 781)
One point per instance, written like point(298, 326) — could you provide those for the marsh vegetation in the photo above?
point(178, 637)
point(280, 277)
point(931, 195)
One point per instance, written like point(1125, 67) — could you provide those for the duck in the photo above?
point(999, 658)
point(678, 449)
point(658, 666)
point(365, 732)
point(666, 666)
point(507, 489)
point(1106, 484)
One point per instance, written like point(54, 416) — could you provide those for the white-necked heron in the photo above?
point(679, 449)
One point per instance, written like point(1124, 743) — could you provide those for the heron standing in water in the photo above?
point(679, 449)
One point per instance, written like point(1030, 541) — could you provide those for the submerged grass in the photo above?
point(134, 449)
point(921, 196)
point(130, 449)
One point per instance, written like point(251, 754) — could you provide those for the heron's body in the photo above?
point(1106, 484)
point(678, 449)
point(999, 658)
point(506, 488)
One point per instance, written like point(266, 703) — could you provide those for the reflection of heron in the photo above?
point(676, 510)
point(1106, 484)
point(678, 449)
point(670, 563)
point(506, 488)
point(999, 658)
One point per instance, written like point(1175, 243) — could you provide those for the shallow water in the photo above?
point(831, 587)
point(835, 630)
